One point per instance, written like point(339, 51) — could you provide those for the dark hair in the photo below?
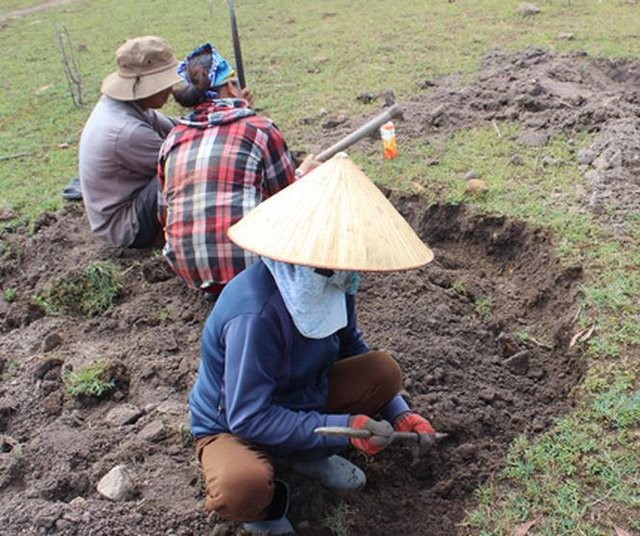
point(196, 92)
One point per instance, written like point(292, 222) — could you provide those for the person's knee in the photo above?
point(240, 494)
point(388, 372)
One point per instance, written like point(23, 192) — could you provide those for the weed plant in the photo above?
point(90, 381)
point(88, 292)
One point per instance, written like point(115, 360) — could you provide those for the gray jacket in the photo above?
point(118, 157)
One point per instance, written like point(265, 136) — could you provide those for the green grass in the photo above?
point(338, 520)
point(88, 291)
point(90, 381)
point(325, 54)
point(582, 476)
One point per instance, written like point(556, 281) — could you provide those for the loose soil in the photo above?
point(457, 327)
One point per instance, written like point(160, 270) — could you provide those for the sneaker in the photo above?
point(335, 473)
point(273, 526)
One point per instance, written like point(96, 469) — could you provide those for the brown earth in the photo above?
point(456, 327)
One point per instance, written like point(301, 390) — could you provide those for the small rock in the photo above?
point(51, 341)
point(123, 415)
point(533, 138)
point(366, 97)
point(518, 363)
point(487, 396)
point(536, 373)
point(548, 161)
point(528, 9)
point(171, 408)
point(539, 424)
point(52, 403)
point(476, 187)
point(566, 36)
point(333, 122)
point(154, 431)
point(516, 160)
point(6, 215)
point(427, 84)
point(585, 157)
point(471, 174)
point(117, 484)
point(388, 97)
point(9, 468)
point(78, 503)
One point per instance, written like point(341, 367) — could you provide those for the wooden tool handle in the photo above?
point(364, 130)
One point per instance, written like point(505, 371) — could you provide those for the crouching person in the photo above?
point(282, 353)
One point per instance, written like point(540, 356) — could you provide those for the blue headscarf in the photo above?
point(219, 72)
point(315, 302)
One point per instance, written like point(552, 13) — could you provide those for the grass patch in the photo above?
point(10, 294)
point(484, 307)
point(91, 381)
point(338, 520)
point(88, 292)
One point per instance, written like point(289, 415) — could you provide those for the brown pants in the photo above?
point(239, 476)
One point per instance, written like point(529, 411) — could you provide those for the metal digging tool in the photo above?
point(365, 130)
point(237, 51)
point(411, 437)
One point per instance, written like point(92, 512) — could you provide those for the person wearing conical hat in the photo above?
point(217, 163)
point(282, 353)
point(119, 146)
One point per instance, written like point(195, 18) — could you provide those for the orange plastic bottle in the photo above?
point(389, 141)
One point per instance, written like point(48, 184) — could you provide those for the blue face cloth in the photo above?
point(317, 303)
point(219, 72)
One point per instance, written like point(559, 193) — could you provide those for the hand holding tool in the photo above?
point(352, 432)
point(379, 434)
point(412, 422)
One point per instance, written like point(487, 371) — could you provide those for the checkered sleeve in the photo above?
point(279, 166)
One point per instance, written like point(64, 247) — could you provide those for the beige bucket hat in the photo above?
point(146, 66)
point(334, 217)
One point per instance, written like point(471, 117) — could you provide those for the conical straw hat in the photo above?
point(333, 217)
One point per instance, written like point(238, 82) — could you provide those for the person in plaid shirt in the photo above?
point(216, 164)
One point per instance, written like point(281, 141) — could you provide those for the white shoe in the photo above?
point(274, 526)
point(335, 473)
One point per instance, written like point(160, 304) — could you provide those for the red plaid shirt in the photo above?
point(217, 164)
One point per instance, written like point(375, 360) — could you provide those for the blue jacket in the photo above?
point(259, 378)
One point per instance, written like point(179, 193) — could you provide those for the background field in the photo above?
point(304, 59)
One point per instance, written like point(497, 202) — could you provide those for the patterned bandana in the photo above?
point(219, 72)
point(316, 303)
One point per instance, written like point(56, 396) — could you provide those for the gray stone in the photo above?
point(585, 157)
point(528, 9)
point(51, 341)
point(533, 138)
point(117, 484)
point(518, 363)
point(123, 415)
point(154, 431)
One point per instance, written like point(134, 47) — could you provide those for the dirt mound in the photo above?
point(546, 94)
point(458, 328)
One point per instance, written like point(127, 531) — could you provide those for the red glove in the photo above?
point(381, 434)
point(412, 422)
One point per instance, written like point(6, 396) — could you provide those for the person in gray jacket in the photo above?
point(120, 143)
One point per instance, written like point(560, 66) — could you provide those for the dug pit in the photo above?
point(481, 333)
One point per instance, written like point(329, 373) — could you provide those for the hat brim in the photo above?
point(333, 217)
point(130, 89)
